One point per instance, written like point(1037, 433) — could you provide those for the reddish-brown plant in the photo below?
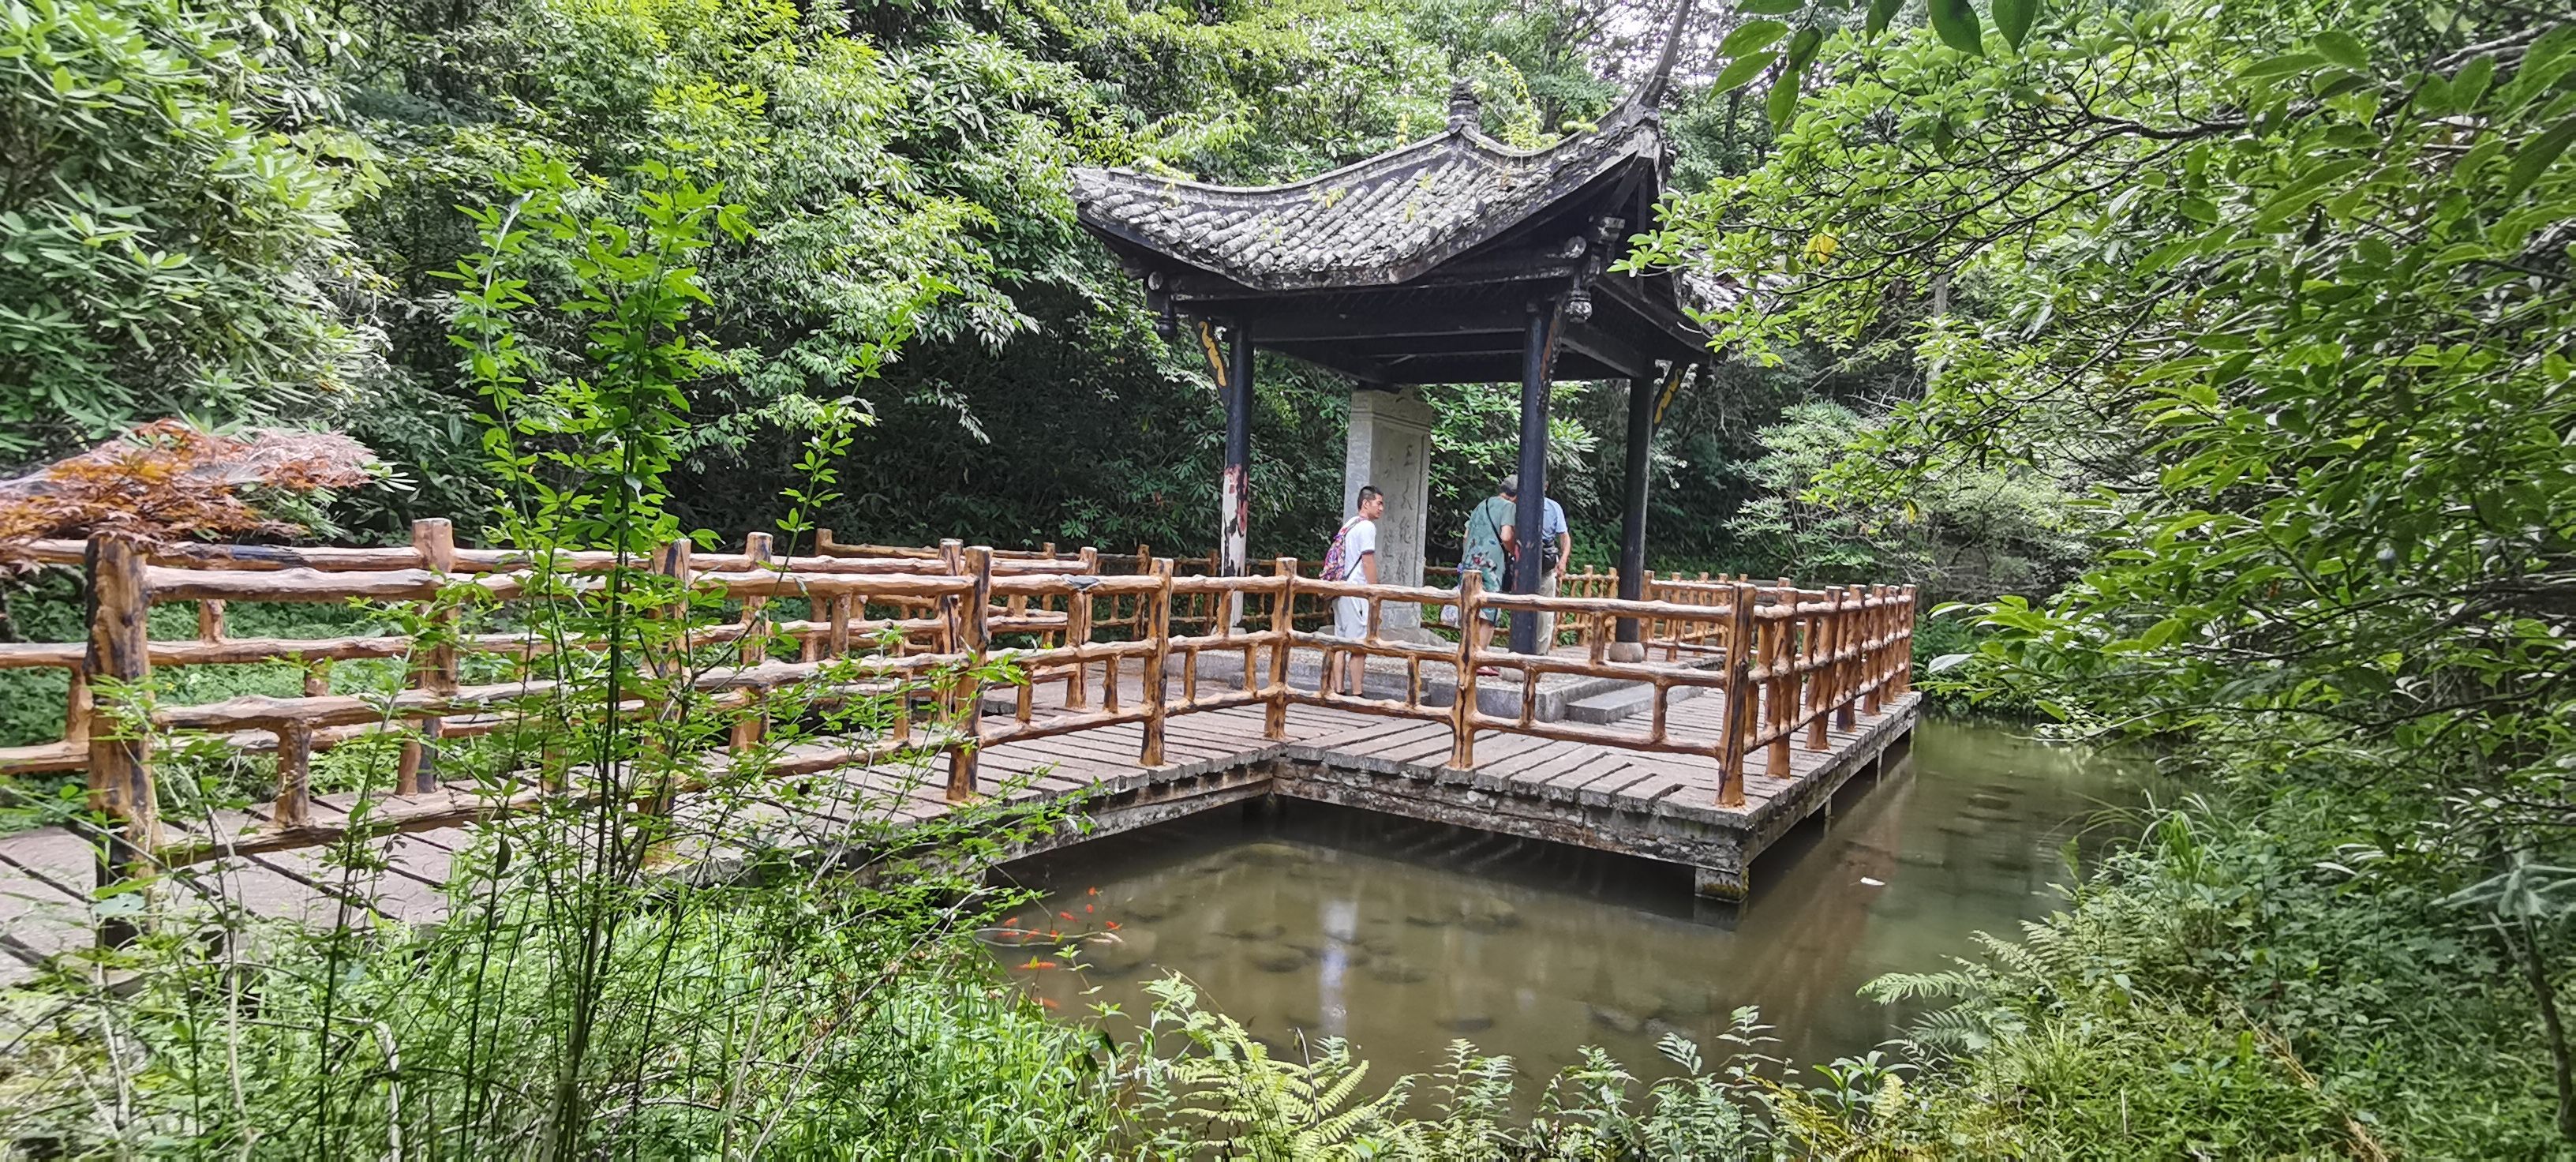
point(168, 480)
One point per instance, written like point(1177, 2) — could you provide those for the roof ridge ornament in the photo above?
point(1651, 93)
point(1465, 111)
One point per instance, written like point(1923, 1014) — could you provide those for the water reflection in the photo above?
point(1402, 936)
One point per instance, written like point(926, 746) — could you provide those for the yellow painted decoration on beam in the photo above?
point(1672, 387)
point(1215, 355)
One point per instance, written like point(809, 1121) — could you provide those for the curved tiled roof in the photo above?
point(1380, 221)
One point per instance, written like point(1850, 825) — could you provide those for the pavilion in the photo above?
point(1454, 259)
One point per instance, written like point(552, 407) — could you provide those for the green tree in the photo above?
point(171, 231)
point(2290, 286)
point(2307, 327)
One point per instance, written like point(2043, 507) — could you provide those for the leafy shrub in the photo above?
point(2228, 986)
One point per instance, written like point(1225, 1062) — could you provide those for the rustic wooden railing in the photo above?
point(1198, 611)
point(1788, 662)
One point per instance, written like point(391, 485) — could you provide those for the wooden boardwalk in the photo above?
point(1657, 805)
point(1122, 716)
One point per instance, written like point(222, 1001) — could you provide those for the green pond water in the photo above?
point(1403, 936)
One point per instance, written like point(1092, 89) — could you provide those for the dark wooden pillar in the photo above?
point(1537, 358)
point(1234, 383)
point(1632, 527)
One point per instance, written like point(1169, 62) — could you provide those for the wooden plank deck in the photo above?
point(1661, 806)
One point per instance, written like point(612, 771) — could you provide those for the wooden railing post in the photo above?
point(671, 665)
point(952, 559)
point(1905, 655)
point(1852, 639)
point(1218, 606)
point(120, 760)
point(1462, 713)
point(77, 708)
point(433, 669)
point(753, 647)
point(294, 805)
point(1158, 625)
point(1874, 645)
point(1824, 637)
point(1137, 615)
point(1077, 633)
point(1018, 607)
point(836, 635)
point(1780, 698)
point(971, 640)
point(759, 555)
point(1274, 711)
point(1739, 697)
point(1701, 631)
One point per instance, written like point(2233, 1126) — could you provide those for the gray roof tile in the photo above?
point(1379, 221)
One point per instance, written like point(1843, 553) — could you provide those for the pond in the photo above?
point(1402, 936)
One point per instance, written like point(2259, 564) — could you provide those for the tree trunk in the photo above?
point(2536, 967)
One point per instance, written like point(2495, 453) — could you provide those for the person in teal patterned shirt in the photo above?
point(1487, 544)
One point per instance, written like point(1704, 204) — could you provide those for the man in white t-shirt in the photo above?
point(1350, 614)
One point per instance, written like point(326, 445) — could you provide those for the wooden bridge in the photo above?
point(1148, 694)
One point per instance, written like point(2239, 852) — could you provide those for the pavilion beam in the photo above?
point(1503, 344)
point(1509, 266)
point(1601, 347)
point(1503, 368)
point(1343, 324)
point(1673, 328)
point(1537, 364)
point(1366, 370)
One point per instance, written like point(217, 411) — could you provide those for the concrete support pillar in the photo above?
point(1725, 884)
point(1390, 447)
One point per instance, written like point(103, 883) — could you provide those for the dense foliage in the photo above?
point(172, 236)
point(2285, 291)
point(908, 166)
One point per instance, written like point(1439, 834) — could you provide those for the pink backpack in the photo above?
point(1333, 563)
